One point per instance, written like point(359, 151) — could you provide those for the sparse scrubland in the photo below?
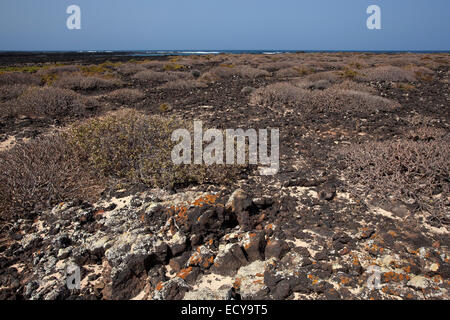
point(87, 177)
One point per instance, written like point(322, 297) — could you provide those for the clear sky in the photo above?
point(225, 25)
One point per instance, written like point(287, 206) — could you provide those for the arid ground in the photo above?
point(359, 208)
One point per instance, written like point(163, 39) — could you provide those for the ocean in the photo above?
point(143, 53)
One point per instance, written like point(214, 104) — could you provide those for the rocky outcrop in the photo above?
point(197, 245)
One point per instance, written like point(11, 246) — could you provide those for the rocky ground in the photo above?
point(300, 234)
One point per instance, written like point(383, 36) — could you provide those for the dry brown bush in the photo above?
point(355, 86)
point(279, 95)
point(10, 78)
point(287, 73)
point(329, 100)
point(155, 65)
point(128, 69)
point(50, 101)
point(41, 173)
point(125, 95)
point(355, 101)
point(252, 73)
point(422, 73)
point(155, 76)
point(275, 66)
point(59, 70)
point(182, 84)
point(427, 133)
point(403, 169)
point(80, 82)
point(208, 77)
point(331, 76)
point(8, 92)
point(225, 72)
point(386, 73)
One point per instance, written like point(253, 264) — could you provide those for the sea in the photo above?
point(143, 53)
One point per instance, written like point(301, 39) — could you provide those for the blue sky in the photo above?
point(224, 25)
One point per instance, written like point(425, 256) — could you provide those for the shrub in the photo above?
point(173, 67)
point(403, 169)
point(13, 91)
point(157, 65)
point(355, 86)
point(252, 73)
point(125, 96)
point(209, 77)
point(275, 66)
point(386, 73)
point(331, 76)
point(154, 76)
point(348, 74)
point(320, 85)
point(279, 95)
point(423, 74)
point(287, 73)
point(11, 78)
point(128, 69)
point(182, 84)
point(330, 100)
point(164, 107)
point(340, 101)
point(39, 174)
point(404, 86)
point(427, 133)
point(137, 148)
point(49, 102)
point(224, 72)
point(59, 70)
point(105, 68)
point(80, 82)
point(247, 90)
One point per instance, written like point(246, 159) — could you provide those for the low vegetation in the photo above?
point(416, 168)
point(50, 102)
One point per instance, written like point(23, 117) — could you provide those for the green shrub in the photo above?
point(137, 148)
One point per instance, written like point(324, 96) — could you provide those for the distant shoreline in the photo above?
point(98, 56)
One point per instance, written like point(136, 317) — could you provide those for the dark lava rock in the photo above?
point(276, 249)
point(282, 290)
point(229, 261)
point(254, 247)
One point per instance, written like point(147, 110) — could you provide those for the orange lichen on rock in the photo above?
point(345, 280)
point(392, 233)
point(184, 273)
point(314, 279)
point(180, 212)
point(394, 277)
point(159, 286)
point(237, 283)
